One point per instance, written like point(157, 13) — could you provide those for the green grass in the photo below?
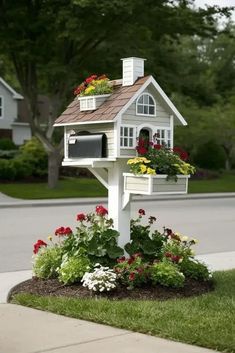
point(226, 183)
point(69, 187)
point(207, 320)
point(76, 187)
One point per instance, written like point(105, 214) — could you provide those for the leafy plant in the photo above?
point(100, 280)
point(73, 269)
point(96, 237)
point(7, 144)
point(46, 262)
point(132, 272)
point(94, 85)
point(167, 274)
point(192, 268)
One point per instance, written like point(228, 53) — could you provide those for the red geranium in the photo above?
point(141, 212)
point(141, 150)
point(132, 276)
point(63, 231)
point(157, 146)
point(91, 78)
point(101, 211)
point(38, 245)
point(121, 259)
point(152, 219)
point(81, 217)
point(182, 154)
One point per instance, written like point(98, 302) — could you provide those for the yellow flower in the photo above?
point(143, 168)
point(151, 171)
point(184, 238)
point(89, 89)
point(49, 238)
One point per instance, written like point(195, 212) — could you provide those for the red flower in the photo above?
point(182, 154)
point(101, 211)
point(121, 259)
point(157, 146)
point(141, 150)
point(38, 245)
point(90, 79)
point(132, 276)
point(141, 212)
point(168, 232)
point(175, 258)
point(130, 260)
point(81, 217)
point(138, 254)
point(63, 231)
point(168, 254)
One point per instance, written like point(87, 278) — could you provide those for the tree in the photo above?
point(53, 44)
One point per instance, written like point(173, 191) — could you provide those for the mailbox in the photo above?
point(87, 145)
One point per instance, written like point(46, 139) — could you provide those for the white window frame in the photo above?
point(129, 138)
point(165, 139)
point(1, 107)
point(148, 105)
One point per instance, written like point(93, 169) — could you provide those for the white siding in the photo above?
point(97, 128)
point(9, 108)
point(21, 133)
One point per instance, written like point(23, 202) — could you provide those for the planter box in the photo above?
point(92, 102)
point(155, 184)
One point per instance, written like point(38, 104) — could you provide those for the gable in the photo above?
point(8, 89)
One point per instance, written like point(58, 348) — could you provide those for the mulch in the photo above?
point(52, 287)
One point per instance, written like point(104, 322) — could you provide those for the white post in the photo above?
point(120, 216)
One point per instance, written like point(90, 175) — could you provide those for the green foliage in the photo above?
point(167, 274)
point(97, 239)
point(7, 144)
point(73, 269)
point(132, 272)
point(194, 269)
point(210, 155)
point(34, 154)
point(47, 261)
point(143, 241)
point(7, 170)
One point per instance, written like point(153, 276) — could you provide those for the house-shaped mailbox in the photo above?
point(100, 133)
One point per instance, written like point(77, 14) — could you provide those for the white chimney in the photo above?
point(132, 68)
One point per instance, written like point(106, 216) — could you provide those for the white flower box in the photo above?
point(92, 102)
point(155, 184)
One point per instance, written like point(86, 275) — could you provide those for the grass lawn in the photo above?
point(69, 187)
point(207, 320)
point(76, 187)
point(226, 183)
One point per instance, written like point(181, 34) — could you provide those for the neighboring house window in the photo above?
point(1, 107)
point(146, 105)
point(127, 136)
point(163, 137)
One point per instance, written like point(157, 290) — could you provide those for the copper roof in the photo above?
point(107, 111)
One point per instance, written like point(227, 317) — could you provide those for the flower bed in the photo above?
point(91, 257)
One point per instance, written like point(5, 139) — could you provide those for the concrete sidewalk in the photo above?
point(28, 330)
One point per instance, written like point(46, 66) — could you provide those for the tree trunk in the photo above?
point(227, 164)
point(54, 161)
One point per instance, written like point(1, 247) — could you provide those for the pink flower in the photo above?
point(101, 211)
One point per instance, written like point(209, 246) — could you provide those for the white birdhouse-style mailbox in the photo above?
point(101, 133)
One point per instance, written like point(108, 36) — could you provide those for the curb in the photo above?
point(94, 201)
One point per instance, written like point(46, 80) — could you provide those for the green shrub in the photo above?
point(210, 155)
point(167, 274)
point(46, 262)
point(7, 170)
point(7, 144)
point(194, 269)
point(34, 154)
point(22, 167)
point(73, 269)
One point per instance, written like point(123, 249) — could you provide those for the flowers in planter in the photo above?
point(159, 159)
point(94, 85)
point(91, 256)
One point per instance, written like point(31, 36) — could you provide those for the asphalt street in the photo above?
point(211, 221)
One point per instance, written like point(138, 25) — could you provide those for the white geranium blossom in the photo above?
point(100, 280)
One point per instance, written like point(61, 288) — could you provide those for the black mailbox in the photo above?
point(87, 145)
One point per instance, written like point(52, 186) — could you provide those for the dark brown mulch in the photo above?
point(52, 287)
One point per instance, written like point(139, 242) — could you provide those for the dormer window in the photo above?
point(146, 105)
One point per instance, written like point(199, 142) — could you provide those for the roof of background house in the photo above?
point(15, 95)
point(107, 111)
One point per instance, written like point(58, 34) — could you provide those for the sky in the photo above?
point(221, 3)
